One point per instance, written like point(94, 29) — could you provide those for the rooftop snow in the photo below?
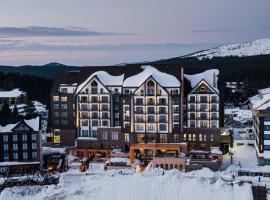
point(105, 78)
point(11, 94)
point(252, 48)
point(262, 100)
point(164, 79)
point(207, 75)
point(7, 128)
point(33, 123)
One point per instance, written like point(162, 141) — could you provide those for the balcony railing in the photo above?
point(138, 112)
point(139, 121)
point(162, 112)
point(162, 103)
point(139, 103)
point(162, 120)
point(151, 112)
point(150, 103)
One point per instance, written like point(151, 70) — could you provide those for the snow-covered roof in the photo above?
point(105, 78)
point(33, 123)
point(264, 91)
point(50, 150)
point(7, 128)
point(164, 79)
point(210, 76)
point(11, 94)
point(261, 101)
point(39, 106)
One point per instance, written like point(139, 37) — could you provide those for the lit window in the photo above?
point(55, 98)
point(64, 99)
point(126, 135)
point(114, 135)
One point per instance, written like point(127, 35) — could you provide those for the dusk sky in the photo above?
point(104, 32)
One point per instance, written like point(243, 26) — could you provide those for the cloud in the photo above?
point(100, 47)
point(214, 30)
point(51, 31)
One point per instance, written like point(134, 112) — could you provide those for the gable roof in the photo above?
point(105, 78)
point(163, 79)
point(32, 123)
point(209, 76)
point(207, 84)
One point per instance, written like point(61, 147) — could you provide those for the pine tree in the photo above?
point(5, 112)
point(15, 112)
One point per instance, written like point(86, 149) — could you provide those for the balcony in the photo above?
point(84, 117)
point(105, 117)
point(138, 120)
point(94, 117)
point(139, 103)
point(138, 112)
point(191, 109)
point(83, 101)
point(162, 103)
point(151, 112)
point(150, 103)
point(94, 109)
point(84, 109)
point(162, 112)
point(163, 121)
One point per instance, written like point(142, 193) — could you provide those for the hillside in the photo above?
point(251, 48)
point(45, 71)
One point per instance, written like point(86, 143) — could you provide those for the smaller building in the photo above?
point(12, 97)
point(260, 105)
point(20, 144)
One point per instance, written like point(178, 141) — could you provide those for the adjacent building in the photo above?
point(20, 145)
point(12, 97)
point(203, 111)
point(260, 105)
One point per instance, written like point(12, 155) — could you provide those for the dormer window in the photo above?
point(202, 88)
point(150, 83)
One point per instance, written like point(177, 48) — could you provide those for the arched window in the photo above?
point(150, 83)
point(94, 83)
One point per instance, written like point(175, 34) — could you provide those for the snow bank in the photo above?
point(173, 186)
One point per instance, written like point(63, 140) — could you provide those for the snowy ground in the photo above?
point(152, 185)
point(201, 184)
